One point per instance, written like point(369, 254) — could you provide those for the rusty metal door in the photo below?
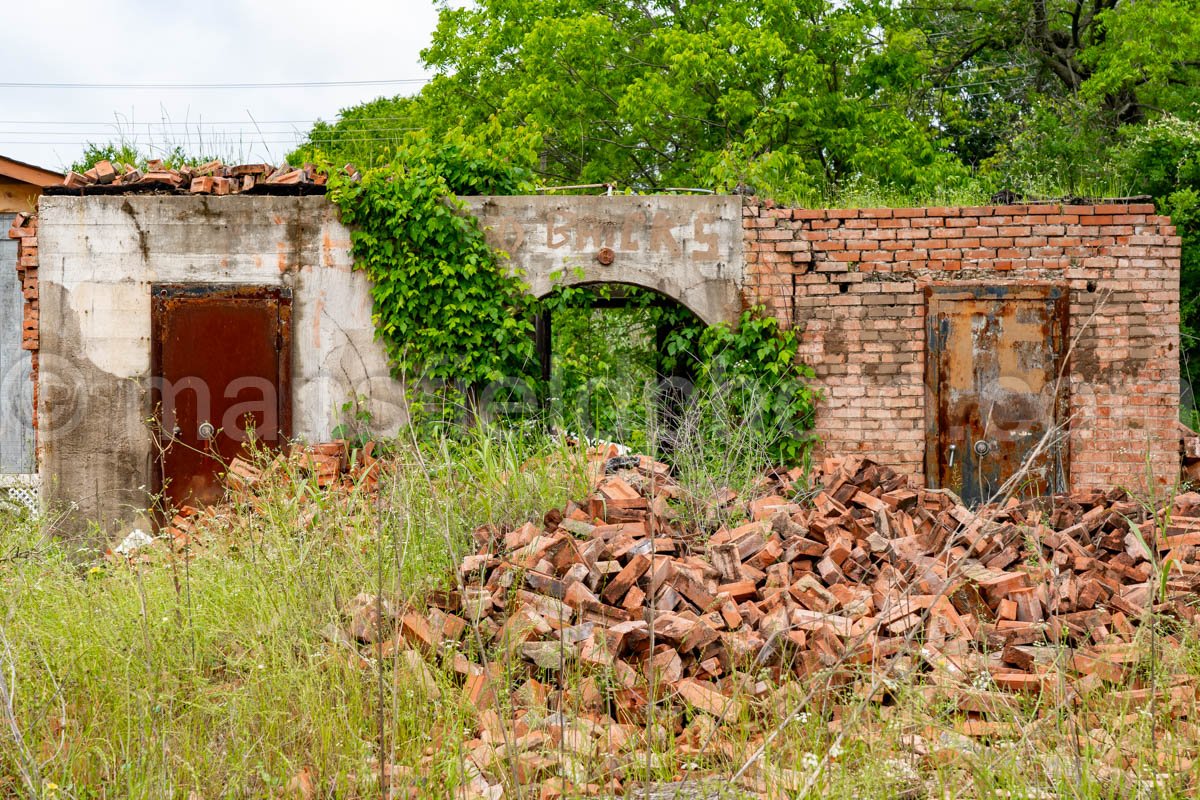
point(221, 360)
point(994, 391)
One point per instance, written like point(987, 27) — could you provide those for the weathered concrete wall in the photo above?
point(99, 258)
point(688, 248)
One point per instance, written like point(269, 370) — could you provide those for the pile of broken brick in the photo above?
point(1189, 455)
point(213, 177)
point(854, 581)
point(332, 466)
point(849, 576)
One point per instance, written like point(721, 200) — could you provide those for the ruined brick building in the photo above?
point(953, 343)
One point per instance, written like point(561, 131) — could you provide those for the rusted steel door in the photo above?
point(993, 388)
point(221, 362)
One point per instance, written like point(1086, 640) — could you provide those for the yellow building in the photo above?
point(21, 185)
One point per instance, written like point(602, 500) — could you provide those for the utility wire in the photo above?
point(163, 86)
point(118, 121)
point(126, 132)
point(66, 122)
point(250, 139)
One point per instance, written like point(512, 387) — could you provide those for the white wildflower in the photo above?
point(900, 770)
point(983, 682)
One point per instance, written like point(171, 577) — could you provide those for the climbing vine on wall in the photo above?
point(453, 313)
point(445, 307)
point(754, 368)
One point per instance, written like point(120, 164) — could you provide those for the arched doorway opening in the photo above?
point(619, 361)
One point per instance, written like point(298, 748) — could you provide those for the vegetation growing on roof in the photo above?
point(124, 152)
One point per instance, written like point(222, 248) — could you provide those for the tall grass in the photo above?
point(224, 674)
point(228, 674)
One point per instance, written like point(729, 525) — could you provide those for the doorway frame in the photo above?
point(1056, 292)
point(161, 294)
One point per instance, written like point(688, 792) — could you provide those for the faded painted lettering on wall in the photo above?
point(671, 244)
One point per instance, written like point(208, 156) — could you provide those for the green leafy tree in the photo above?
point(792, 97)
point(363, 135)
point(993, 62)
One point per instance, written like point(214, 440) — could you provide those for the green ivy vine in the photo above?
point(754, 367)
point(445, 308)
point(453, 315)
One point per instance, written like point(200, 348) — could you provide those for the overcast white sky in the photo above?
point(213, 42)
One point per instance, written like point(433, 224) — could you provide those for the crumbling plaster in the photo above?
point(100, 257)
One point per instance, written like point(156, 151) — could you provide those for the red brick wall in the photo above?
point(853, 280)
point(24, 230)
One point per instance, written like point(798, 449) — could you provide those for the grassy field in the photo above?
point(224, 672)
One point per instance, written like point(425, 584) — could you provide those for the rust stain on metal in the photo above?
point(605, 256)
point(993, 361)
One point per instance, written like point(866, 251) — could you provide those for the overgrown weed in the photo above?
point(123, 684)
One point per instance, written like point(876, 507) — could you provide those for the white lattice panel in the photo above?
point(22, 491)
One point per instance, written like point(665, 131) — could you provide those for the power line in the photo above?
point(246, 121)
point(189, 86)
point(129, 133)
point(132, 133)
point(249, 139)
